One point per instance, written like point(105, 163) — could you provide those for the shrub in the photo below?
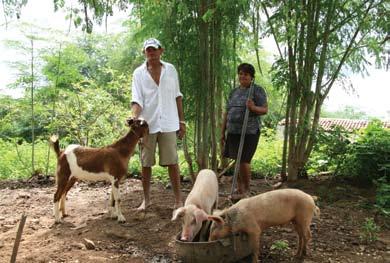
point(267, 158)
point(367, 159)
point(280, 246)
point(329, 150)
point(383, 196)
point(15, 159)
point(369, 231)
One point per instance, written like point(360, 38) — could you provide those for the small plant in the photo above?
point(369, 231)
point(280, 246)
point(383, 196)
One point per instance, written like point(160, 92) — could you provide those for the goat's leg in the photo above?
point(69, 185)
point(61, 183)
point(117, 200)
point(112, 206)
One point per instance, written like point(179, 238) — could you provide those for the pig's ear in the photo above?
point(217, 212)
point(216, 219)
point(178, 213)
point(200, 216)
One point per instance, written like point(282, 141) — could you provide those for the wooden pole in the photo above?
point(18, 238)
point(242, 139)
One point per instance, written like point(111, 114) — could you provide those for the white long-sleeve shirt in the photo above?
point(158, 103)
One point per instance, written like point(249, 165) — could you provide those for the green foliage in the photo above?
point(364, 161)
point(280, 246)
point(367, 159)
point(329, 150)
point(90, 116)
point(349, 112)
point(369, 231)
point(267, 159)
point(15, 158)
point(383, 195)
point(13, 8)
point(65, 68)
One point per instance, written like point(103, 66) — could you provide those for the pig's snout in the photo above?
point(186, 238)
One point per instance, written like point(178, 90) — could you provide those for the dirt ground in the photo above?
point(89, 235)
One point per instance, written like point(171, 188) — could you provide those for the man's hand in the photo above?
point(182, 130)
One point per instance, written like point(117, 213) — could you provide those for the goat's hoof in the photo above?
point(113, 216)
point(121, 219)
point(65, 215)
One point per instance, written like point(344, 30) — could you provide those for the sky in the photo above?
point(371, 95)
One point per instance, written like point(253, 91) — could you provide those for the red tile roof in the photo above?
point(349, 125)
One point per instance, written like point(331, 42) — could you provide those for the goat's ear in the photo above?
point(129, 121)
point(143, 123)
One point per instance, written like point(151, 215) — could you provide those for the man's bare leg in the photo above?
point(146, 176)
point(174, 175)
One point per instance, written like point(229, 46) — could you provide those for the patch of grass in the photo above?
point(267, 159)
point(16, 161)
point(369, 231)
point(280, 246)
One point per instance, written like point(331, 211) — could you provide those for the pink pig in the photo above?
point(198, 205)
point(255, 214)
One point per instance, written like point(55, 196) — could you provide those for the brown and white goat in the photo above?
point(107, 163)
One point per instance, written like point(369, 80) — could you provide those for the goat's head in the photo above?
point(138, 126)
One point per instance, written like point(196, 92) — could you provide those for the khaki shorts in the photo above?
point(167, 149)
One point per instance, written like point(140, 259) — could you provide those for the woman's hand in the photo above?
point(251, 105)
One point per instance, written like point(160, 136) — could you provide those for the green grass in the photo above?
point(267, 159)
point(15, 160)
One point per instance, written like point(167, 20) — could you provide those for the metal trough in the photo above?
point(230, 249)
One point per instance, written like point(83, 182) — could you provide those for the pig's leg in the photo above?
point(299, 231)
point(306, 239)
point(304, 235)
point(254, 240)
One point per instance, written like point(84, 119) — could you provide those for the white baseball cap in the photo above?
point(152, 42)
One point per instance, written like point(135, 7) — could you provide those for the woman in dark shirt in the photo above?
point(233, 120)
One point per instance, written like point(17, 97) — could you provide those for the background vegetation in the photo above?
point(79, 86)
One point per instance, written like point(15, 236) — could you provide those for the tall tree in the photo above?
point(321, 38)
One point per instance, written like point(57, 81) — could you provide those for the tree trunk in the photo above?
point(204, 87)
point(188, 158)
point(32, 110)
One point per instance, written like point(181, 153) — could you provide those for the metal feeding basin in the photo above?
point(233, 248)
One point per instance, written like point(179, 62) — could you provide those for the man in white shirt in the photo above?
point(156, 97)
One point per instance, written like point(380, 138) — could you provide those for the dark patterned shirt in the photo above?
point(236, 106)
